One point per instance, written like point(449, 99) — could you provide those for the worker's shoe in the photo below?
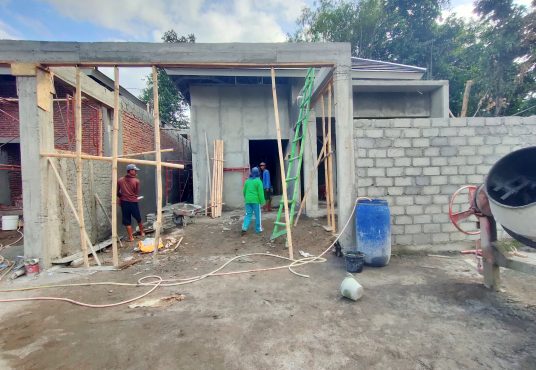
point(129, 233)
point(142, 232)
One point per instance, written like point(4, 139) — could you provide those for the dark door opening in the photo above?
point(266, 151)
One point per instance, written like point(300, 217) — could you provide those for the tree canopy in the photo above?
point(173, 107)
point(497, 51)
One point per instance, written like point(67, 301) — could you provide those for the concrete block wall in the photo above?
point(417, 164)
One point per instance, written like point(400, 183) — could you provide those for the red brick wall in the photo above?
point(9, 120)
point(15, 180)
point(138, 136)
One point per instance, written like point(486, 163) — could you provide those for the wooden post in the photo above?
point(466, 95)
point(330, 165)
point(115, 143)
point(209, 178)
point(79, 165)
point(282, 167)
point(156, 115)
point(214, 180)
point(73, 208)
point(326, 176)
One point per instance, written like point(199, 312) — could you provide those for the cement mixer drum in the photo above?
point(511, 189)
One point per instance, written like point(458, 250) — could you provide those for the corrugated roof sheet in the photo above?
point(361, 64)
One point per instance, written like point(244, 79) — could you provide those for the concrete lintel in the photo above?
point(322, 79)
point(136, 53)
point(89, 87)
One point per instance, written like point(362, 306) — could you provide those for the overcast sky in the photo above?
point(146, 20)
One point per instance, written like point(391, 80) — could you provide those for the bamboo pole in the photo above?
point(143, 153)
point(214, 180)
point(220, 174)
point(282, 167)
point(330, 165)
point(79, 164)
point(73, 208)
point(115, 143)
point(110, 159)
point(156, 115)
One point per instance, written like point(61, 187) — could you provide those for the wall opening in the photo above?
point(266, 151)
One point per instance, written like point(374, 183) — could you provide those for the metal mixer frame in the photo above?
point(494, 255)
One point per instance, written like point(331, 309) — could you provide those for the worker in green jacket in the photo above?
point(254, 199)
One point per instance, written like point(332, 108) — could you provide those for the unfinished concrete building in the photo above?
point(393, 137)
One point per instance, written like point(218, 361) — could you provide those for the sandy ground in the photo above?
point(420, 312)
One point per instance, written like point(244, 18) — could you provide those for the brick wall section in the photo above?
point(417, 164)
point(9, 126)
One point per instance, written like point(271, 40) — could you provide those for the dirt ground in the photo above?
point(419, 312)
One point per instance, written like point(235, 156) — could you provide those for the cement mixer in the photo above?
point(507, 197)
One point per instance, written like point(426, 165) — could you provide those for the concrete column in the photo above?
point(345, 152)
point(39, 186)
point(310, 174)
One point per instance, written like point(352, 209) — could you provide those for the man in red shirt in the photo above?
point(128, 191)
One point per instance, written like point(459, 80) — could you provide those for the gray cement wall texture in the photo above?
point(417, 164)
point(235, 114)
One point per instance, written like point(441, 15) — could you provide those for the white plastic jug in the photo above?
point(351, 289)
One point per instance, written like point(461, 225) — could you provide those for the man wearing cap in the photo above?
point(267, 186)
point(128, 190)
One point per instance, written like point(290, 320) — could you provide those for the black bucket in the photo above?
point(354, 261)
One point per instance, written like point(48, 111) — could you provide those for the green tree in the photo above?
point(500, 80)
point(173, 107)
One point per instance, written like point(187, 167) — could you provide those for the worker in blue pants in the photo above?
point(254, 199)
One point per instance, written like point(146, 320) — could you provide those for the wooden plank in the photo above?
point(115, 143)
point(59, 154)
point(326, 176)
point(79, 165)
point(466, 94)
point(23, 69)
point(73, 209)
point(156, 116)
point(282, 167)
point(213, 191)
point(45, 87)
point(209, 178)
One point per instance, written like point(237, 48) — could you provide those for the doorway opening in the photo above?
point(266, 151)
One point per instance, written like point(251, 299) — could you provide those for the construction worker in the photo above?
point(267, 186)
point(254, 198)
point(128, 191)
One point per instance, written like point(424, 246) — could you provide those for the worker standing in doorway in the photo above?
point(254, 199)
point(267, 186)
point(128, 191)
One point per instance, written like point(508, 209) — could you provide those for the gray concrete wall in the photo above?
point(5, 194)
point(392, 104)
point(235, 114)
point(417, 164)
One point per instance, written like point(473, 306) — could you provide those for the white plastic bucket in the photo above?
point(10, 222)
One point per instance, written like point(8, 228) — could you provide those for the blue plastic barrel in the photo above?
point(373, 231)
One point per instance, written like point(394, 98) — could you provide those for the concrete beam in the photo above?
point(166, 54)
point(322, 79)
point(39, 189)
point(90, 88)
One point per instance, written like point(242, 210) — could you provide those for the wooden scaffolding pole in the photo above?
point(156, 116)
point(208, 190)
point(115, 142)
point(143, 153)
point(79, 164)
point(331, 203)
point(282, 167)
point(73, 208)
point(64, 154)
point(326, 176)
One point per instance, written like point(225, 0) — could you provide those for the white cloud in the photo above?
point(210, 21)
point(464, 8)
point(7, 32)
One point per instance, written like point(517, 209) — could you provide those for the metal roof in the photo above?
point(370, 65)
